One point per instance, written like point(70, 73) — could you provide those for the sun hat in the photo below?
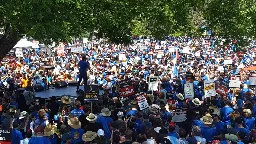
point(23, 114)
point(66, 100)
point(49, 130)
point(207, 119)
point(196, 102)
point(91, 117)
point(248, 111)
point(105, 112)
point(74, 123)
point(180, 96)
point(89, 136)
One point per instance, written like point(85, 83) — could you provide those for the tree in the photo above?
point(118, 20)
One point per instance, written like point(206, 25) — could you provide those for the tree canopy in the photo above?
point(118, 20)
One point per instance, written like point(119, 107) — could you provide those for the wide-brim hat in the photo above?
point(196, 102)
point(49, 130)
point(247, 111)
point(207, 119)
point(105, 112)
point(180, 96)
point(23, 114)
point(91, 117)
point(66, 100)
point(74, 123)
point(89, 136)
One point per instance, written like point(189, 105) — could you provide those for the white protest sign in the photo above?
point(234, 83)
point(153, 83)
point(160, 53)
point(85, 40)
point(179, 116)
point(77, 49)
point(228, 62)
point(172, 49)
point(122, 56)
point(189, 90)
point(19, 52)
point(197, 54)
point(252, 80)
point(186, 50)
point(142, 102)
point(209, 88)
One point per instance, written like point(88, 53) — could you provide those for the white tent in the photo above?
point(24, 43)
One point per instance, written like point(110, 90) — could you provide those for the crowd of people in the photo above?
point(123, 74)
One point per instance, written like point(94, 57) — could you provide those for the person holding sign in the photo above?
point(83, 67)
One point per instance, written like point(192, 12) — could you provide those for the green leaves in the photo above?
point(118, 20)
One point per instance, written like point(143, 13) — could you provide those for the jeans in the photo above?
point(82, 77)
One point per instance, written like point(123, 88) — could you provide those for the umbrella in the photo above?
point(24, 43)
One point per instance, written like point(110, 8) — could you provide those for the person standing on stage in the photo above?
point(83, 67)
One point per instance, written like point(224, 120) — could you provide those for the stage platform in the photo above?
point(70, 90)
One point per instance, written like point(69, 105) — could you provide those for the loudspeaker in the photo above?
point(60, 84)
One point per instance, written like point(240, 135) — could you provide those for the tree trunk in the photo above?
point(7, 41)
point(6, 44)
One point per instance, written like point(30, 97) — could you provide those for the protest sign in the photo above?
point(19, 52)
point(153, 83)
point(209, 88)
point(5, 136)
point(179, 116)
point(127, 91)
point(189, 90)
point(228, 62)
point(122, 56)
point(222, 90)
point(92, 92)
point(252, 80)
point(142, 102)
point(60, 49)
point(77, 49)
point(160, 54)
point(234, 83)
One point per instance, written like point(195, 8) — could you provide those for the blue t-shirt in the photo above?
point(77, 112)
point(39, 140)
point(105, 122)
point(219, 127)
point(80, 131)
point(250, 122)
point(16, 136)
point(207, 133)
point(131, 113)
point(225, 111)
point(83, 67)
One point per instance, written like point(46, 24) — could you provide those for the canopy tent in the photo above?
point(24, 43)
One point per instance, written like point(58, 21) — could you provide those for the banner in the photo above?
point(234, 83)
point(92, 92)
point(189, 90)
point(77, 49)
point(142, 102)
point(5, 136)
point(153, 83)
point(209, 88)
point(127, 91)
point(252, 80)
point(222, 90)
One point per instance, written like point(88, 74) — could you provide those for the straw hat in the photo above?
point(89, 136)
point(180, 96)
point(91, 117)
point(105, 112)
point(74, 123)
point(248, 111)
point(207, 119)
point(49, 130)
point(196, 102)
point(65, 100)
